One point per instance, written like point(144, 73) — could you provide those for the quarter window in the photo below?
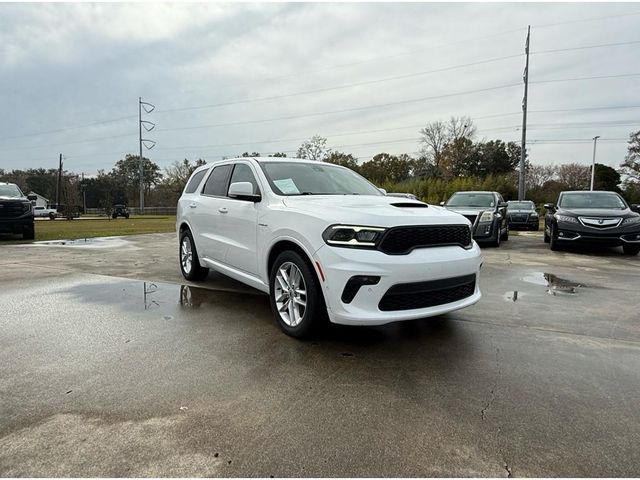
point(217, 182)
point(195, 181)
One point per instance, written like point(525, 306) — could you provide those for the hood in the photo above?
point(595, 212)
point(520, 210)
point(13, 199)
point(373, 210)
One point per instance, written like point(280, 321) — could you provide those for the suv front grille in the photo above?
point(410, 296)
point(11, 209)
point(401, 240)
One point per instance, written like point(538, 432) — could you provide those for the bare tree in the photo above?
point(434, 138)
point(538, 175)
point(631, 164)
point(314, 149)
point(574, 175)
point(461, 127)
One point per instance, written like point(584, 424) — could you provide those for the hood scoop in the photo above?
point(409, 205)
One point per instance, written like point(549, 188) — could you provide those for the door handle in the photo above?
point(222, 210)
point(192, 205)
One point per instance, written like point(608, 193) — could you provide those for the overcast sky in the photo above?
point(85, 65)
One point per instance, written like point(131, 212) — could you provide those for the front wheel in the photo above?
point(553, 239)
point(631, 249)
point(189, 261)
point(296, 299)
point(29, 233)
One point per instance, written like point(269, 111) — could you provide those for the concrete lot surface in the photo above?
point(112, 365)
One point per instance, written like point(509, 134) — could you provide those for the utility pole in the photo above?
point(84, 195)
point(523, 153)
point(593, 162)
point(143, 105)
point(58, 183)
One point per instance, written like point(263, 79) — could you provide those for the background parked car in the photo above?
point(594, 218)
point(403, 195)
point(120, 210)
point(44, 212)
point(16, 211)
point(486, 211)
point(523, 214)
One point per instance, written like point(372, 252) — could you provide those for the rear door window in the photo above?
point(216, 184)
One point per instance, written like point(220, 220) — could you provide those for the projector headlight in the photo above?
point(354, 236)
point(487, 217)
point(630, 220)
point(565, 218)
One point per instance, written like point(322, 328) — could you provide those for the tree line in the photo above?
point(450, 158)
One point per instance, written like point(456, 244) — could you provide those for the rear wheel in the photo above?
point(547, 239)
point(295, 295)
point(189, 261)
point(505, 237)
point(631, 249)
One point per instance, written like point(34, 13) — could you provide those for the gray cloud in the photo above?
point(72, 65)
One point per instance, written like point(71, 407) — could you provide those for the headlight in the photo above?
point(486, 217)
point(565, 218)
point(353, 236)
point(26, 207)
point(534, 214)
point(629, 220)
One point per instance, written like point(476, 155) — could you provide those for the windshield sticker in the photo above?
point(286, 186)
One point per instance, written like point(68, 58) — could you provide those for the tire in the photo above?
point(631, 249)
point(188, 258)
point(505, 237)
point(126, 215)
point(52, 216)
point(496, 242)
point(553, 240)
point(29, 233)
point(291, 274)
point(114, 216)
point(547, 239)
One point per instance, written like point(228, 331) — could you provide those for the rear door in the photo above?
point(207, 213)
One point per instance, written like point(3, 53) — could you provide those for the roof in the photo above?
point(597, 192)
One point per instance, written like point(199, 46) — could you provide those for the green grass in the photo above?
point(103, 227)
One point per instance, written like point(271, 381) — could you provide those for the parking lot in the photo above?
point(112, 365)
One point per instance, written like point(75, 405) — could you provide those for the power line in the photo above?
point(339, 87)
point(622, 75)
point(591, 19)
point(585, 47)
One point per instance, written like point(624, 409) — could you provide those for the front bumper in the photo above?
point(16, 225)
point(614, 237)
point(518, 222)
point(421, 265)
point(485, 230)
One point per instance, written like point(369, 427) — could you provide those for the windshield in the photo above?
point(10, 191)
point(521, 205)
point(471, 200)
point(591, 200)
point(292, 178)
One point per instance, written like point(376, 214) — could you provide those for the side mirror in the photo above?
point(503, 205)
point(442, 204)
point(549, 206)
point(33, 198)
point(243, 191)
point(383, 191)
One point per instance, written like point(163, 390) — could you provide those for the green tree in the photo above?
point(387, 168)
point(344, 159)
point(278, 154)
point(606, 178)
point(253, 154)
point(127, 171)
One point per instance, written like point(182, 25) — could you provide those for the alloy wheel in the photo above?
point(290, 294)
point(186, 255)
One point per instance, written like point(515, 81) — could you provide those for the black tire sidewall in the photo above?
point(197, 272)
point(315, 301)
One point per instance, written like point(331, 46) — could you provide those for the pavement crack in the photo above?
point(508, 469)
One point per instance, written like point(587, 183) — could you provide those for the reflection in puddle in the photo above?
point(554, 284)
point(96, 242)
point(148, 289)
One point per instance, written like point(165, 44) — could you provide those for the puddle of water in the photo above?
point(97, 242)
point(554, 284)
point(513, 296)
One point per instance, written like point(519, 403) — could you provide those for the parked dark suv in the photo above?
point(596, 218)
point(120, 211)
point(486, 211)
point(16, 211)
point(523, 214)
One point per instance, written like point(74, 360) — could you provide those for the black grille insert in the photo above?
point(401, 240)
point(410, 296)
point(12, 209)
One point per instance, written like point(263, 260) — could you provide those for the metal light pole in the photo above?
point(593, 163)
point(523, 152)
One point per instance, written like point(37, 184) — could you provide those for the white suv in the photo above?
point(321, 240)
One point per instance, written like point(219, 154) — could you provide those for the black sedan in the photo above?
point(594, 218)
point(486, 211)
point(523, 214)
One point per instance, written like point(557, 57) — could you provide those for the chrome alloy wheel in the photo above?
point(290, 294)
point(186, 255)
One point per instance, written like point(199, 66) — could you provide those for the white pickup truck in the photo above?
point(43, 212)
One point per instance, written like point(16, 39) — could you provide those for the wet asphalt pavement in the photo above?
point(110, 365)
